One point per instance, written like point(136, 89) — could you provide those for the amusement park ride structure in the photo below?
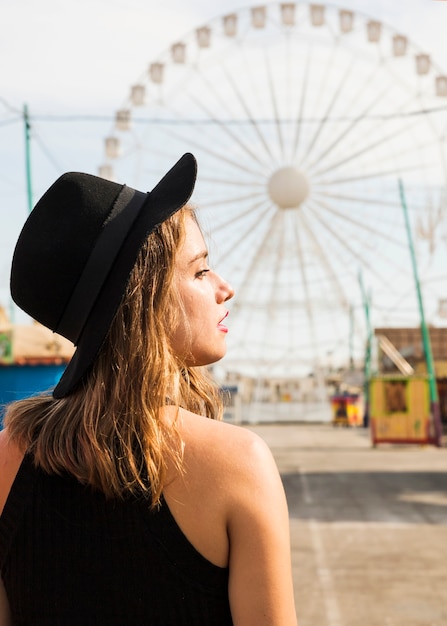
point(320, 135)
point(303, 118)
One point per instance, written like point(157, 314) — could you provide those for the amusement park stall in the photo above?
point(32, 359)
point(400, 410)
point(401, 407)
point(347, 409)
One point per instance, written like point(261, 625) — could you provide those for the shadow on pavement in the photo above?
point(399, 497)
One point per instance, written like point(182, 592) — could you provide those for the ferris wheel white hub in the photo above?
point(288, 187)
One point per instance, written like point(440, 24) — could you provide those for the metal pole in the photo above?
point(351, 338)
point(367, 366)
point(434, 399)
point(29, 189)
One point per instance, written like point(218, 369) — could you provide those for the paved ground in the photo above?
point(368, 526)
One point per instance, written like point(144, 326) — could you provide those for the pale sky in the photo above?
point(67, 60)
point(54, 51)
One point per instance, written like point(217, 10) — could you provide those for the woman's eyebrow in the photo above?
point(200, 255)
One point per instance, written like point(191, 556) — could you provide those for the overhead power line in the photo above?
point(238, 121)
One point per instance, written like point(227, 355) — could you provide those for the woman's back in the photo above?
point(79, 558)
point(104, 556)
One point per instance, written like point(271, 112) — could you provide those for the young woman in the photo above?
point(121, 502)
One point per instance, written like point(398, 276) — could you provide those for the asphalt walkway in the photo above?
point(368, 526)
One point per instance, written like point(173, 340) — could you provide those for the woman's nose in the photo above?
point(225, 290)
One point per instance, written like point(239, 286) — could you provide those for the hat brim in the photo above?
point(168, 196)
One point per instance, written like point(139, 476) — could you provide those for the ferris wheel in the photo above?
point(303, 118)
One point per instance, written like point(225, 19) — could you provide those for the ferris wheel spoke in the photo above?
point(258, 223)
point(401, 109)
point(378, 174)
point(259, 254)
point(367, 149)
point(439, 132)
point(343, 136)
point(238, 199)
point(250, 117)
point(360, 255)
point(253, 210)
point(275, 108)
point(357, 199)
point(279, 247)
point(327, 114)
point(301, 107)
point(250, 281)
point(322, 254)
point(366, 113)
point(232, 182)
point(205, 148)
point(277, 296)
point(306, 285)
point(237, 138)
point(249, 222)
point(362, 225)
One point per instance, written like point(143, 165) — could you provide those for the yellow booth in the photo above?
point(399, 410)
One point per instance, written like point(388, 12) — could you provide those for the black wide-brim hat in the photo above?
point(75, 253)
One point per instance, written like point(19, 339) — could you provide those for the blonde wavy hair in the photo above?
point(109, 433)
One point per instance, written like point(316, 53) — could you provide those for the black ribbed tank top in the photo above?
point(71, 557)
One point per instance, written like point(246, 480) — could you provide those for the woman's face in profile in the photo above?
point(199, 338)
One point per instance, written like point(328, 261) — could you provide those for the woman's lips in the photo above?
point(222, 326)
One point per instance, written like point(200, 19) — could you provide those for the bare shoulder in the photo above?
point(10, 459)
point(233, 455)
point(10, 453)
point(228, 443)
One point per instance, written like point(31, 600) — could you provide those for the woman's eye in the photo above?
point(202, 273)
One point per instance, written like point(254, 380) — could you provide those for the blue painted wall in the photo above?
point(21, 381)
